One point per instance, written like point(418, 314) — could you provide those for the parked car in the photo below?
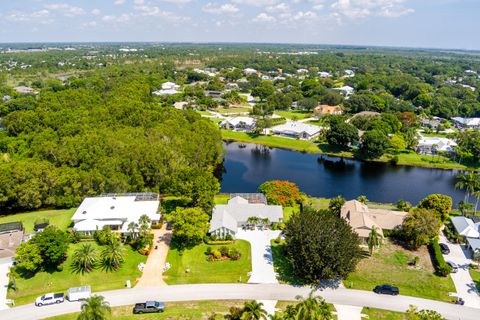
point(169, 226)
point(49, 298)
point(453, 265)
point(460, 301)
point(149, 307)
point(386, 289)
point(79, 293)
point(445, 249)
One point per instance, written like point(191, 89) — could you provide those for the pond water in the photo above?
point(247, 166)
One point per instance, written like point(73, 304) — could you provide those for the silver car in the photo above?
point(453, 265)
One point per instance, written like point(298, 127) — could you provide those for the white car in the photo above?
point(49, 298)
point(453, 265)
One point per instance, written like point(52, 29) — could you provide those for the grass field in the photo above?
point(221, 198)
point(59, 218)
point(475, 274)
point(60, 281)
point(390, 265)
point(380, 314)
point(203, 271)
point(173, 311)
point(294, 114)
point(234, 110)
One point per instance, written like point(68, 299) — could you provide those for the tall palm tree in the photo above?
point(468, 182)
point(132, 228)
point(95, 308)
point(144, 221)
point(313, 307)
point(113, 256)
point(253, 311)
point(476, 194)
point(374, 240)
point(84, 258)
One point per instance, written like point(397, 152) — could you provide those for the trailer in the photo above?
point(79, 293)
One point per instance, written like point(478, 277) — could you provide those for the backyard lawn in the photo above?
point(59, 218)
point(233, 110)
point(221, 198)
point(173, 310)
point(202, 271)
point(294, 114)
point(475, 274)
point(380, 314)
point(60, 281)
point(390, 265)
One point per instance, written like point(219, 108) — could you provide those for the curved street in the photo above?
point(199, 292)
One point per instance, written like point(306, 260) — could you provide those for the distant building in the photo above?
point(115, 211)
point(349, 73)
point(302, 71)
point(168, 88)
point(25, 90)
point(432, 123)
point(345, 90)
point(6, 98)
point(228, 218)
point(246, 124)
point(470, 123)
point(298, 130)
point(249, 71)
point(323, 110)
point(324, 74)
point(433, 145)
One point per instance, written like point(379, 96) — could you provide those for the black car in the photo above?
point(386, 289)
point(444, 248)
point(149, 307)
point(169, 226)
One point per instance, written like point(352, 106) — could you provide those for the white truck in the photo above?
point(49, 298)
point(79, 293)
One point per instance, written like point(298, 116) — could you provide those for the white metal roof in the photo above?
point(466, 227)
point(294, 127)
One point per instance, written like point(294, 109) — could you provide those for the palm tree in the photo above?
point(84, 258)
point(276, 316)
point(468, 182)
point(144, 221)
point(464, 207)
point(113, 256)
point(132, 228)
point(313, 307)
point(363, 199)
point(476, 194)
point(253, 311)
point(374, 240)
point(95, 308)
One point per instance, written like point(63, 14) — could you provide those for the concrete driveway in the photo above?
point(262, 260)
point(5, 265)
point(462, 279)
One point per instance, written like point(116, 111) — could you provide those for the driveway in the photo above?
point(5, 264)
point(227, 291)
point(462, 279)
point(262, 260)
point(152, 275)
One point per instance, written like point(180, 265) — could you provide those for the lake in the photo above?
point(247, 166)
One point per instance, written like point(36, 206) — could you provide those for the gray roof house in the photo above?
point(227, 218)
point(466, 227)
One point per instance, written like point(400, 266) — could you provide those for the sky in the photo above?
point(399, 23)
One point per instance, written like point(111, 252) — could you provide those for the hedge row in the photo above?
point(441, 267)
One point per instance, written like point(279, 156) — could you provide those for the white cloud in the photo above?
point(281, 7)
point(90, 24)
point(177, 2)
point(154, 11)
point(66, 9)
point(256, 3)
point(96, 12)
point(357, 9)
point(263, 17)
point(138, 2)
point(119, 2)
point(216, 8)
point(28, 16)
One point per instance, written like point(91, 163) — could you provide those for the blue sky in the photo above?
point(411, 23)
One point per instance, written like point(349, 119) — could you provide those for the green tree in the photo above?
point(439, 203)
point(419, 227)
point(313, 307)
point(189, 226)
point(113, 255)
point(403, 205)
point(95, 308)
point(397, 142)
point(314, 248)
point(469, 182)
point(374, 144)
point(253, 310)
point(28, 258)
point(53, 245)
point(374, 240)
point(264, 90)
point(335, 205)
point(414, 314)
point(342, 134)
point(84, 258)
point(464, 207)
point(363, 199)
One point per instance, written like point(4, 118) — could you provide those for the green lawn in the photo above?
point(294, 114)
point(173, 310)
point(44, 282)
point(204, 113)
point(475, 274)
point(234, 110)
point(59, 218)
point(203, 271)
point(222, 198)
point(380, 314)
point(390, 265)
point(288, 211)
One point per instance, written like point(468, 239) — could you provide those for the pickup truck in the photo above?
point(149, 307)
point(49, 298)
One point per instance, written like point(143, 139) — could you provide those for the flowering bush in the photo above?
point(279, 192)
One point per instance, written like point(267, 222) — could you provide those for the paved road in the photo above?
point(246, 292)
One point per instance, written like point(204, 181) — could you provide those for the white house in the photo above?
point(324, 74)
point(167, 88)
point(345, 90)
point(25, 90)
point(227, 218)
point(298, 130)
point(246, 124)
point(468, 228)
point(427, 145)
point(115, 211)
point(472, 123)
point(249, 71)
point(349, 73)
point(302, 71)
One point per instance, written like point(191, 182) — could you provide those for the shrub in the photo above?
point(208, 251)
point(213, 237)
point(206, 239)
point(60, 268)
point(229, 237)
point(441, 267)
point(216, 254)
point(234, 254)
point(403, 205)
point(224, 251)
